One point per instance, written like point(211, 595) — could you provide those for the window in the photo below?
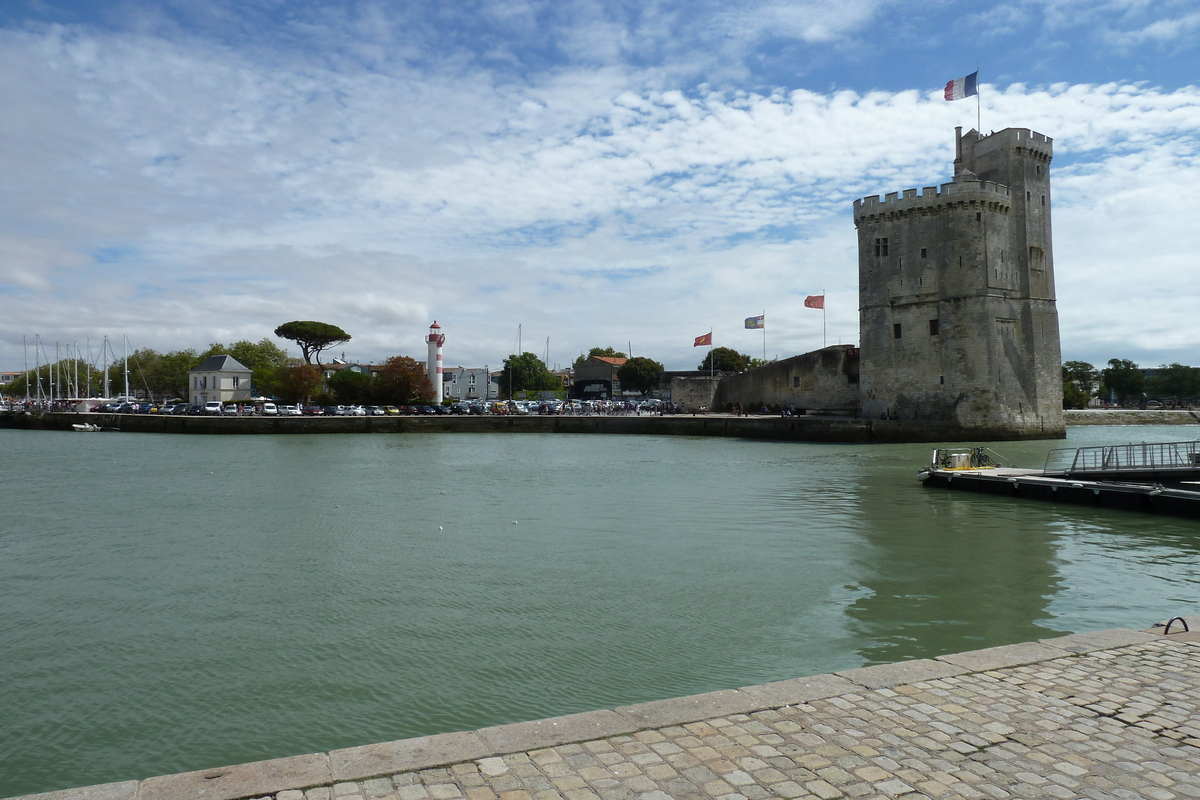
point(1039, 169)
point(881, 247)
point(1043, 199)
point(795, 381)
point(235, 381)
point(978, 216)
point(924, 252)
point(933, 327)
point(896, 331)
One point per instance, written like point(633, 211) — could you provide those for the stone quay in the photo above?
point(1110, 714)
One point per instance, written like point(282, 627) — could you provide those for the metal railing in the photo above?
point(1121, 457)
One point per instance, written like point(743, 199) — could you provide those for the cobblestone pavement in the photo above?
point(1066, 718)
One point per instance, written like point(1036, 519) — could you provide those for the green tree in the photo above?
point(1123, 378)
point(1178, 381)
point(605, 352)
point(724, 359)
point(402, 381)
point(313, 337)
point(351, 387)
point(1078, 377)
point(524, 373)
point(640, 374)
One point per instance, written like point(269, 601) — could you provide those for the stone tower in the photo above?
point(956, 296)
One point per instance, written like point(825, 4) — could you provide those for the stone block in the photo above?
point(124, 790)
point(1010, 655)
point(521, 736)
point(243, 780)
point(661, 713)
point(799, 690)
point(884, 675)
point(1098, 640)
point(406, 755)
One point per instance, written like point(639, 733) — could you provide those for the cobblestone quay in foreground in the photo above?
point(1113, 714)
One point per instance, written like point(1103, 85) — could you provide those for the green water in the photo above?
point(175, 603)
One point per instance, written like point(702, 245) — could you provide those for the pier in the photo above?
point(1153, 477)
point(1107, 714)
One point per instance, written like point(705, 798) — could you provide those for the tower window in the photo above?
point(924, 252)
point(1043, 199)
point(933, 327)
point(1039, 169)
point(896, 331)
point(1029, 196)
point(978, 216)
point(881, 246)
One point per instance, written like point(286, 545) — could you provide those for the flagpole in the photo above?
point(824, 340)
point(978, 103)
point(764, 336)
point(712, 362)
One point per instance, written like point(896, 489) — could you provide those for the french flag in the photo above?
point(963, 87)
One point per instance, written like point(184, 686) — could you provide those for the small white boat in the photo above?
point(85, 427)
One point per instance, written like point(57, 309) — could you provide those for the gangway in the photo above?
point(1163, 463)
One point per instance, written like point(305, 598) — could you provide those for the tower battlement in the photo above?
point(948, 193)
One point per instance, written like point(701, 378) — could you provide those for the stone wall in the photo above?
point(824, 381)
point(693, 393)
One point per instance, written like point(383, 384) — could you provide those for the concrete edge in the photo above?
point(1009, 655)
point(122, 790)
point(885, 676)
point(405, 755)
point(242, 780)
point(270, 777)
point(518, 737)
point(1079, 643)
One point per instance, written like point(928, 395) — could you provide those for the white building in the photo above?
point(219, 378)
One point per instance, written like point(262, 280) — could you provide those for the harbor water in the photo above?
point(170, 603)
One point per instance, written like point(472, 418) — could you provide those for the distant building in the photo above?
point(221, 378)
point(595, 378)
point(466, 383)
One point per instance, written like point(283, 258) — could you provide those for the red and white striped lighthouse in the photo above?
point(435, 339)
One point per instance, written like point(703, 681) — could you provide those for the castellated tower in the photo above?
point(956, 296)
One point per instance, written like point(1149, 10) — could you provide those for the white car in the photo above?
point(291, 411)
point(270, 410)
point(356, 411)
point(213, 407)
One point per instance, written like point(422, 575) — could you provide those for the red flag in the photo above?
point(703, 341)
point(814, 301)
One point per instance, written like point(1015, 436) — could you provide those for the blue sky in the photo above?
point(597, 173)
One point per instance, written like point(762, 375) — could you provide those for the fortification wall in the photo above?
point(694, 392)
point(823, 380)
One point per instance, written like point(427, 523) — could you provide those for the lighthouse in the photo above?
point(435, 340)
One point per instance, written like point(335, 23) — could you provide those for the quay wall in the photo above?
point(795, 429)
point(1130, 416)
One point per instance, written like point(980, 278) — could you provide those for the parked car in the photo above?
point(460, 408)
point(374, 411)
point(270, 410)
point(231, 409)
point(180, 408)
point(391, 411)
point(213, 408)
point(290, 411)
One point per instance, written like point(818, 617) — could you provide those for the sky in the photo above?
point(565, 174)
